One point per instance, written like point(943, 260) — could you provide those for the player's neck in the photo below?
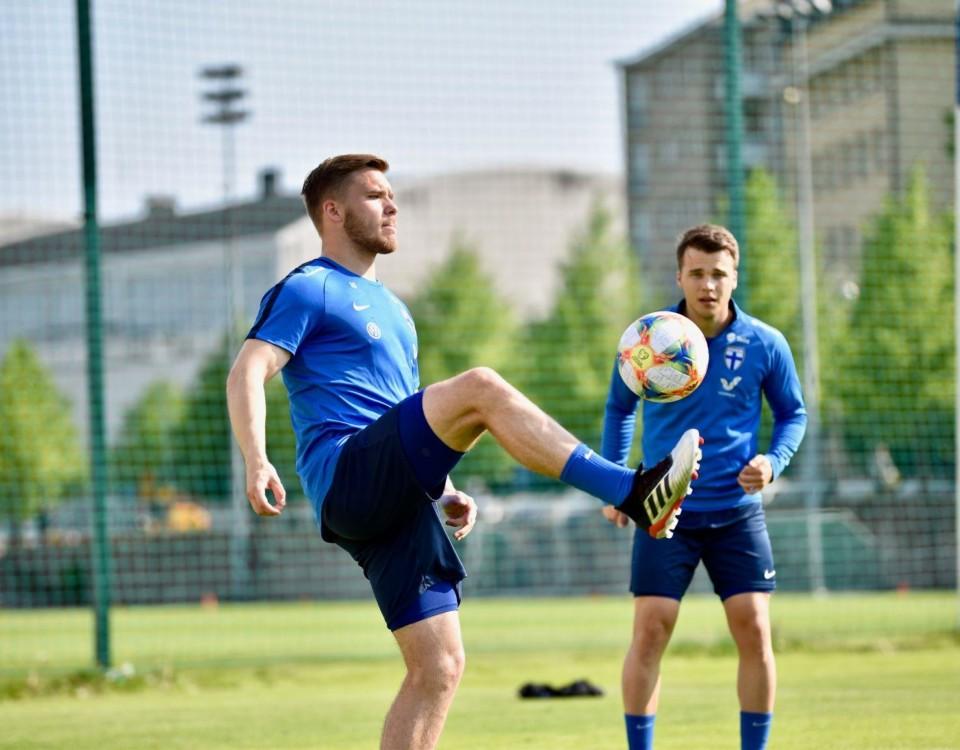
point(361, 263)
point(712, 326)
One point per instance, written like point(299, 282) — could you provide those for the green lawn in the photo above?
point(855, 672)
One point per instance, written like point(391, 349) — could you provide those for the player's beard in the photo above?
point(366, 238)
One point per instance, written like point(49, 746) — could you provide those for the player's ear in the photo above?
point(331, 211)
point(736, 278)
point(678, 280)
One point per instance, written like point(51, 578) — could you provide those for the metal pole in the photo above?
point(734, 137)
point(956, 289)
point(100, 550)
point(226, 97)
point(808, 308)
point(240, 510)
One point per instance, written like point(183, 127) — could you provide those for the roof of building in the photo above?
point(160, 228)
point(751, 11)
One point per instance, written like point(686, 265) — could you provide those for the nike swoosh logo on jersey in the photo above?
point(360, 308)
point(768, 574)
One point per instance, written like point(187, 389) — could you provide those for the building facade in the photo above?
point(170, 280)
point(878, 76)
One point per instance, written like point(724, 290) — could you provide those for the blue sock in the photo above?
point(596, 476)
point(640, 731)
point(754, 730)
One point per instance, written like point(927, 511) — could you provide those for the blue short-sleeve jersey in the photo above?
point(353, 347)
point(748, 360)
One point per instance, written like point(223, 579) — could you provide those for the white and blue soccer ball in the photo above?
point(663, 356)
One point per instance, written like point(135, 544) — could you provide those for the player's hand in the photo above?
point(460, 510)
point(260, 478)
point(756, 475)
point(614, 516)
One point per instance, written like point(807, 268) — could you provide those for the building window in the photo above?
point(639, 166)
point(641, 226)
point(638, 99)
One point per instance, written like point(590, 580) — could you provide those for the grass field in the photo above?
point(856, 672)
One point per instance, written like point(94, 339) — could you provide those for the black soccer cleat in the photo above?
point(655, 498)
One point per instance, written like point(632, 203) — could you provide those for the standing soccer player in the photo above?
point(374, 452)
point(723, 523)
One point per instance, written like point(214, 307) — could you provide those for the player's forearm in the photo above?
point(247, 405)
point(619, 421)
point(787, 435)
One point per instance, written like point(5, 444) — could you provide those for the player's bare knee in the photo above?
point(484, 382)
point(477, 391)
point(441, 673)
point(752, 634)
point(651, 636)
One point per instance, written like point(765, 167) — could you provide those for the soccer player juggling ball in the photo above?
point(374, 452)
point(723, 522)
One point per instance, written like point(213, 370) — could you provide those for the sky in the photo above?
point(433, 85)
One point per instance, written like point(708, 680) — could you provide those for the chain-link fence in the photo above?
point(545, 158)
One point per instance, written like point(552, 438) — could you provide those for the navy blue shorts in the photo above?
point(733, 544)
point(380, 509)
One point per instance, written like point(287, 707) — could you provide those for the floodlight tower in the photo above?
point(226, 95)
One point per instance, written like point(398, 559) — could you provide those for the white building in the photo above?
point(166, 277)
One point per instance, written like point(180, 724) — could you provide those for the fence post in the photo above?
point(100, 549)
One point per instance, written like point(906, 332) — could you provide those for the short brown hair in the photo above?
point(328, 177)
point(709, 238)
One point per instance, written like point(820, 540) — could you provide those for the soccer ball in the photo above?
point(663, 356)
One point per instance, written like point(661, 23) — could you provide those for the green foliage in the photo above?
point(143, 457)
point(202, 439)
point(461, 323)
point(569, 355)
point(281, 441)
point(461, 320)
point(40, 455)
point(773, 277)
point(899, 386)
point(773, 292)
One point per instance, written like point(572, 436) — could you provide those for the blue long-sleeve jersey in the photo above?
point(748, 360)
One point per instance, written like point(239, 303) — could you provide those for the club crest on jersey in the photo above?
point(734, 356)
point(374, 330)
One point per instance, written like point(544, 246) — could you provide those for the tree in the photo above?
point(899, 389)
point(773, 276)
point(773, 291)
point(569, 355)
point(202, 439)
point(143, 457)
point(461, 323)
point(40, 455)
point(281, 440)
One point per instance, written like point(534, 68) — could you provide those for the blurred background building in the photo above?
point(870, 121)
point(164, 273)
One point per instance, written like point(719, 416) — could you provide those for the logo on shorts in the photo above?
point(360, 308)
point(374, 330)
point(768, 574)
